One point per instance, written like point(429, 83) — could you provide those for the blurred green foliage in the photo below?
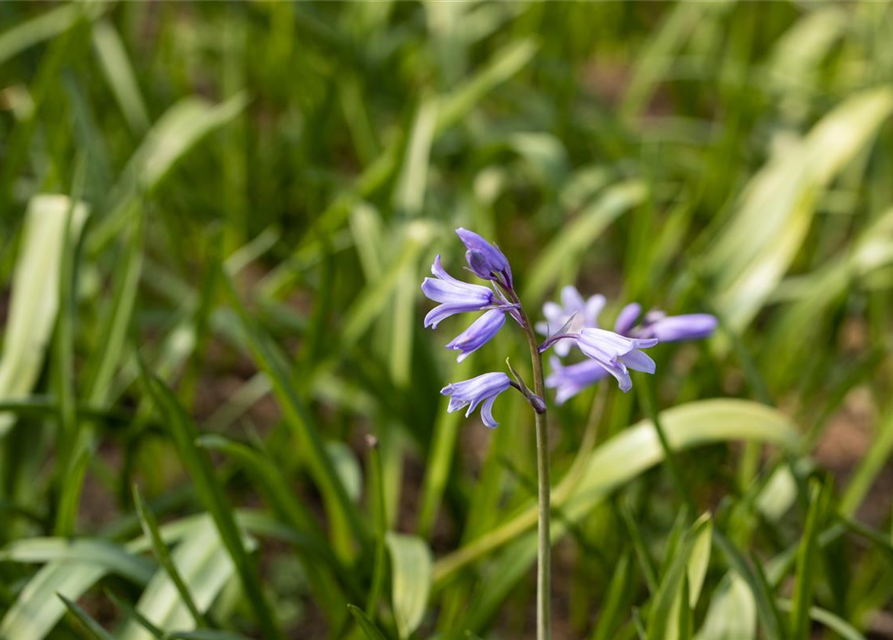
point(214, 220)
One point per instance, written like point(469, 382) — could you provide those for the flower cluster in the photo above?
point(487, 262)
point(610, 352)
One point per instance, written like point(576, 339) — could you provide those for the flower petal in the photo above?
point(484, 388)
point(691, 326)
point(638, 361)
point(487, 413)
point(485, 259)
point(593, 310)
point(443, 311)
point(571, 300)
point(627, 317)
point(478, 334)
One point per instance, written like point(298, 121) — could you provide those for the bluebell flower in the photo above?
point(617, 353)
point(627, 317)
point(692, 326)
point(570, 380)
point(478, 334)
point(454, 295)
point(603, 347)
point(557, 315)
point(482, 389)
point(484, 259)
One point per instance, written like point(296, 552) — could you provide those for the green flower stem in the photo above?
point(544, 544)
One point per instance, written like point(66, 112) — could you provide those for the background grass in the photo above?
point(214, 219)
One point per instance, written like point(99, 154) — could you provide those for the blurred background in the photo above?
point(214, 221)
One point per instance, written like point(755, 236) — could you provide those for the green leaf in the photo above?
point(310, 541)
point(150, 530)
point(120, 75)
point(409, 195)
point(630, 453)
point(664, 614)
point(43, 27)
point(831, 621)
point(733, 612)
point(869, 466)
point(90, 626)
point(204, 565)
point(568, 246)
point(410, 580)
point(184, 434)
point(773, 217)
point(807, 561)
point(176, 133)
point(347, 467)
point(699, 561)
point(103, 364)
point(101, 553)
point(764, 600)
point(437, 467)
point(375, 298)
point(34, 301)
point(369, 629)
point(37, 608)
point(610, 616)
point(301, 421)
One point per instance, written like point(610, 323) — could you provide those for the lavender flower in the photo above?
point(627, 318)
point(478, 334)
point(482, 389)
point(485, 259)
point(602, 346)
point(570, 380)
point(571, 302)
point(617, 354)
point(692, 326)
point(454, 295)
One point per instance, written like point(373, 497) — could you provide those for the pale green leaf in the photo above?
point(410, 580)
point(34, 302)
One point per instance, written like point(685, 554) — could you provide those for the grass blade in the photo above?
point(92, 628)
point(410, 580)
point(630, 453)
point(119, 73)
point(366, 625)
point(35, 294)
point(299, 419)
point(807, 559)
point(184, 434)
point(150, 530)
point(205, 566)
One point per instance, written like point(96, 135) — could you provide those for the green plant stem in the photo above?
point(646, 396)
point(544, 545)
point(378, 568)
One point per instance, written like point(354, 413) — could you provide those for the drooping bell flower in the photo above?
point(481, 390)
point(691, 326)
point(478, 334)
point(453, 295)
point(617, 354)
point(614, 352)
point(485, 260)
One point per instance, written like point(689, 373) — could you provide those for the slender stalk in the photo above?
point(378, 567)
point(544, 544)
point(646, 395)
